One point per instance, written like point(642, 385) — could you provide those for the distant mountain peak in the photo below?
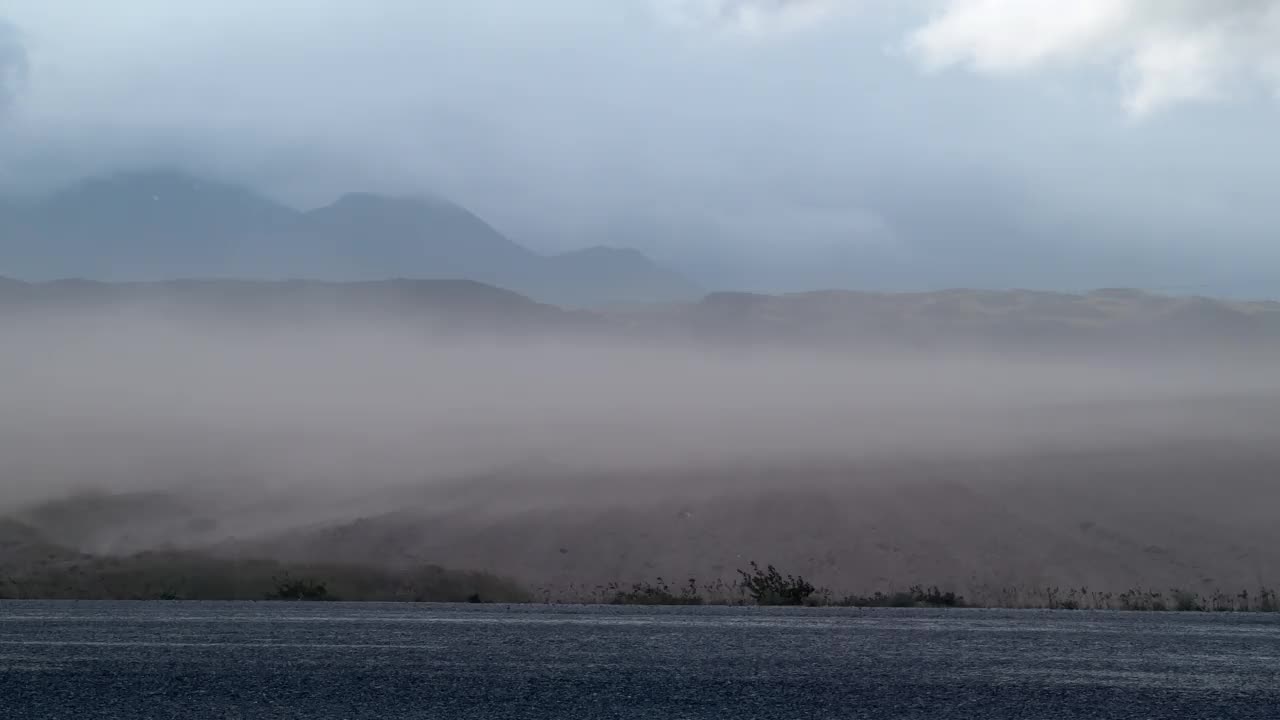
point(421, 204)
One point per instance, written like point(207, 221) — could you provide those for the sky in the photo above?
point(753, 144)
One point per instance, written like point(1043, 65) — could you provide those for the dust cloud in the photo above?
point(492, 443)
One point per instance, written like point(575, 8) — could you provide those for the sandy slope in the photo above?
point(1188, 516)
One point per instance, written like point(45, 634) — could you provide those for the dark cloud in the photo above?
point(13, 64)
point(770, 160)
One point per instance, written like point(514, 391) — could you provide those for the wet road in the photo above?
point(320, 661)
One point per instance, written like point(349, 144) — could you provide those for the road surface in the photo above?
point(319, 661)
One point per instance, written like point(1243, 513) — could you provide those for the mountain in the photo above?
point(373, 236)
point(624, 275)
point(137, 226)
point(160, 225)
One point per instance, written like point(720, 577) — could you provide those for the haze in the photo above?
point(459, 449)
point(150, 404)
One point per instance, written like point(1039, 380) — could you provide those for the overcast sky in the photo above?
point(768, 144)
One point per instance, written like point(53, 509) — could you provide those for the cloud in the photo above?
point(734, 140)
point(751, 17)
point(1166, 51)
point(13, 63)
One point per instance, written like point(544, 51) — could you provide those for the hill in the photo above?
point(1113, 320)
point(984, 318)
point(32, 566)
point(448, 306)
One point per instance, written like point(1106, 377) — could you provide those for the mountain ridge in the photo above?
point(159, 224)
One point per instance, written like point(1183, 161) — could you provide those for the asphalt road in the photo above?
point(317, 661)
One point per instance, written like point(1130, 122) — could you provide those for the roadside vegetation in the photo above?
point(31, 568)
point(1134, 600)
point(190, 576)
point(767, 586)
point(656, 593)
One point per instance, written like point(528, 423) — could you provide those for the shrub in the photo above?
point(770, 587)
point(934, 597)
point(301, 589)
point(901, 600)
point(658, 593)
point(1186, 601)
point(915, 596)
